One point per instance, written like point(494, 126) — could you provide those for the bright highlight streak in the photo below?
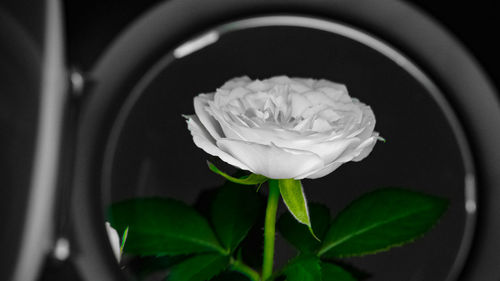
point(196, 44)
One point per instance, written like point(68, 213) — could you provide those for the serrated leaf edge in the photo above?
point(322, 251)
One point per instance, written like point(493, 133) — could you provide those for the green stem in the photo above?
point(244, 269)
point(269, 228)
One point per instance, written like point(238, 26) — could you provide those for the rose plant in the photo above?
point(281, 130)
point(114, 240)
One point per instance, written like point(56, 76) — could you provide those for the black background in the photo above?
point(92, 25)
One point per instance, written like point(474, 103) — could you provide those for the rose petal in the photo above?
point(356, 152)
point(306, 81)
point(368, 122)
point(280, 80)
point(366, 148)
point(324, 171)
point(318, 98)
point(331, 150)
point(266, 136)
point(203, 140)
point(299, 87)
point(272, 161)
point(236, 82)
point(327, 150)
point(229, 128)
point(258, 85)
point(114, 240)
point(212, 126)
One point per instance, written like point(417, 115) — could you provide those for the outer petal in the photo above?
point(366, 147)
point(210, 124)
point(350, 154)
point(272, 161)
point(203, 140)
point(367, 124)
point(324, 171)
point(328, 150)
point(358, 152)
point(331, 150)
point(236, 82)
point(114, 240)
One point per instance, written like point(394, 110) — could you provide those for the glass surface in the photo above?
point(20, 63)
point(151, 152)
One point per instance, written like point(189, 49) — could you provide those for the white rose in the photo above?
point(114, 240)
point(283, 127)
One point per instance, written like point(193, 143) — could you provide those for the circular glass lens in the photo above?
point(151, 151)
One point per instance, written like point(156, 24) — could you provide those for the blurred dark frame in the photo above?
point(93, 24)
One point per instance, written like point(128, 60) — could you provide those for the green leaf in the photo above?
point(159, 226)
point(199, 268)
point(234, 211)
point(381, 220)
point(143, 267)
point(124, 239)
point(252, 179)
point(298, 234)
point(230, 276)
point(303, 268)
point(332, 272)
point(293, 195)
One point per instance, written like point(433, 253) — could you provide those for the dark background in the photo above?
point(92, 25)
